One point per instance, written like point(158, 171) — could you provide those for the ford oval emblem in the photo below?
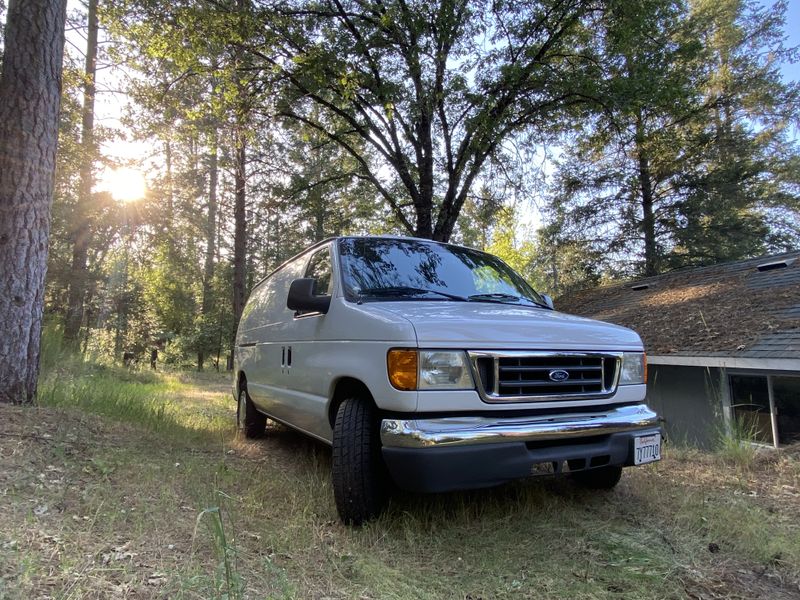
point(558, 375)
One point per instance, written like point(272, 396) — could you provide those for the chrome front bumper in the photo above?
point(469, 431)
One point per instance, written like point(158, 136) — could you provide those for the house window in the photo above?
point(767, 407)
point(786, 396)
point(750, 404)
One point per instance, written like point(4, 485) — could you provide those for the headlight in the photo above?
point(428, 370)
point(634, 368)
point(444, 371)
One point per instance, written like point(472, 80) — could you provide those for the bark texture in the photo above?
point(211, 242)
point(30, 88)
point(648, 214)
point(239, 232)
point(240, 200)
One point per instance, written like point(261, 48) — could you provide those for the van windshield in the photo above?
point(383, 269)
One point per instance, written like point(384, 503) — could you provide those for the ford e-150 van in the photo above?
point(437, 367)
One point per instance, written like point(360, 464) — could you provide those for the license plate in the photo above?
point(646, 448)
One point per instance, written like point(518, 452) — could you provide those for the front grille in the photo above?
point(532, 376)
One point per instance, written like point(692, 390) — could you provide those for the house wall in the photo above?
point(689, 399)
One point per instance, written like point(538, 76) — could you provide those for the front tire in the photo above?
point(360, 479)
point(250, 423)
point(604, 478)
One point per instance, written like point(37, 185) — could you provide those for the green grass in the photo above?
point(228, 580)
point(736, 443)
point(159, 401)
point(150, 493)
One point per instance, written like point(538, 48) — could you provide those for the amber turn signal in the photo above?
point(645, 368)
point(402, 367)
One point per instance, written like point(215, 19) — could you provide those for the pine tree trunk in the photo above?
point(240, 234)
point(320, 214)
point(648, 214)
point(80, 232)
point(240, 202)
point(211, 230)
point(30, 87)
point(170, 209)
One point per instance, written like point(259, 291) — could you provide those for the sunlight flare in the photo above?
point(125, 184)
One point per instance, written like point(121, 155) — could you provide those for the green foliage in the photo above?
point(99, 347)
point(686, 162)
point(740, 198)
point(519, 255)
point(612, 190)
point(667, 122)
point(565, 265)
point(476, 219)
point(421, 105)
point(169, 289)
point(177, 352)
point(54, 354)
point(102, 221)
point(322, 194)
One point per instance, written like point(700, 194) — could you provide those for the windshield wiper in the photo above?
point(501, 299)
point(402, 290)
point(497, 297)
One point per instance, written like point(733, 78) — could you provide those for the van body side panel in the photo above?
point(325, 363)
point(267, 323)
point(349, 341)
point(345, 342)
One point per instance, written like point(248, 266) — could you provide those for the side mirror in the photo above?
point(302, 299)
point(547, 300)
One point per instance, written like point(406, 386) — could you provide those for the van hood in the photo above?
point(484, 325)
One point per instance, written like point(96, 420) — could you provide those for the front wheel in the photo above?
point(360, 479)
point(604, 478)
point(249, 421)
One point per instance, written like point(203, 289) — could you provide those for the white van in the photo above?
point(438, 368)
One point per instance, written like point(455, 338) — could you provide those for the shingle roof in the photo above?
point(729, 309)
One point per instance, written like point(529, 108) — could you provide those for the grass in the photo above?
point(160, 401)
point(228, 583)
point(736, 443)
point(125, 484)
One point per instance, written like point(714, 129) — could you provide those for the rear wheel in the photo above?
point(604, 478)
point(360, 479)
point(249, 421)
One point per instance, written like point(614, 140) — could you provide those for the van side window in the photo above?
point(319, 267)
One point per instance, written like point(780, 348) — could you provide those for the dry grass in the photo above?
point(96, 507)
